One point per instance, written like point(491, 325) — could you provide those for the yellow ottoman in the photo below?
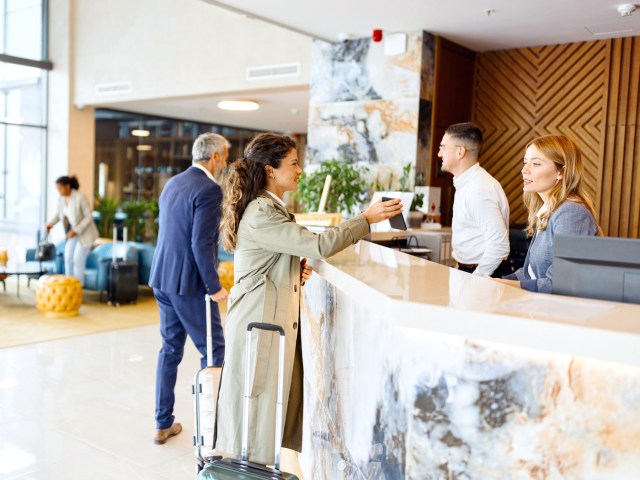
point(58, 295)
point(225, 274)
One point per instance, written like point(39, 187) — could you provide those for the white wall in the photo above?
point(173, 48)
point(71, 132)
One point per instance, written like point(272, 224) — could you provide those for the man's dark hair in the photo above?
point(466, 133)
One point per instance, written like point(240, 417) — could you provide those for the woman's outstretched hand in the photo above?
point(380, 210)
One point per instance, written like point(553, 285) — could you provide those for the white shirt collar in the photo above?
point(277, 199)
point(207, 172)
point(460, 180)
point(543, 209)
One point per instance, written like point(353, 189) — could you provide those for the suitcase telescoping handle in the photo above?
point(247, 389)
point(115, 243)
point(207, 301)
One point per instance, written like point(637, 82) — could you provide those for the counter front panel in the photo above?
point(395, 388)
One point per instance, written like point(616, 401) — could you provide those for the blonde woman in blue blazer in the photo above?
point(557, 204)
point(80, 229)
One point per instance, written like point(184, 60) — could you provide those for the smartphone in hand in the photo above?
point(397, 221)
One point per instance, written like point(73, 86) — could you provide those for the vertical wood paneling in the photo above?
point(619, 196)
point(453, 91)
point(589, 91)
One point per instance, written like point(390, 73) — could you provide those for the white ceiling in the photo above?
point(280, 111)
point(512, 24)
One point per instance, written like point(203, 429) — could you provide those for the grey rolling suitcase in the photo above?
point(236, 469)
point(206, 385)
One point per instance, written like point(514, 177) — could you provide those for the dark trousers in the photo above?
point(503, 269)
point(181, 316)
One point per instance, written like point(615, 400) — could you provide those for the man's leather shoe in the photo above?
point(163, 434)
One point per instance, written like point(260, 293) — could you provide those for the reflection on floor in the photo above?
point(82, 408)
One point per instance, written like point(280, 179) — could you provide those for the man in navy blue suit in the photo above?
point(184, 269)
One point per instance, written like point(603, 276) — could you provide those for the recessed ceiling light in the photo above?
point(140, 133)
point(144, 148)
point(238, 105)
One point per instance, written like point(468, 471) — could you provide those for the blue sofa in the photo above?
point(145, 257)
point(96, 276)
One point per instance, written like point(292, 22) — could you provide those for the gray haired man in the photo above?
point(184, 269)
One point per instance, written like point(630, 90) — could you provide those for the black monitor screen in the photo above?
point(605, 268)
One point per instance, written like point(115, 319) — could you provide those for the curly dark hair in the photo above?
point(246, 178)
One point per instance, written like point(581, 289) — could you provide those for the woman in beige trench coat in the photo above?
point(269, 274)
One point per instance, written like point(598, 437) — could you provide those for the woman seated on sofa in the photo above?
point(557, 205)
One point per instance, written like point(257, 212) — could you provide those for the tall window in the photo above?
point(23, 98)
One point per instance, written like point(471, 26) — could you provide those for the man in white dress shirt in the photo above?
point(480, 226)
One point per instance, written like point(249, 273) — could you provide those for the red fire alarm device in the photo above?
point(377, 35)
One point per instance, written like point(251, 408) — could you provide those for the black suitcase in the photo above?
point(123, 276)
point(231, 468)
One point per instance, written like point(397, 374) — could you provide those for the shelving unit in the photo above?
point(137, 173)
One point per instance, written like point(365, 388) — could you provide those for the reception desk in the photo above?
point(415, 370)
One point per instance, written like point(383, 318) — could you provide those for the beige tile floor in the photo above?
point(82, 408)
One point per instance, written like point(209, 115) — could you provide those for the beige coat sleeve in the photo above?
point(274, 231)
point(83, 213)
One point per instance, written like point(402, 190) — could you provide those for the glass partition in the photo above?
point(21, 152)
point(22, 94)
point(22, 28)
point(23, 120)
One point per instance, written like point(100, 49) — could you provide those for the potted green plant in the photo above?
point(106, 207)
point(153, 211)
point(348, 191)
point(135, 222)
point(415, 216)
point(142, 219)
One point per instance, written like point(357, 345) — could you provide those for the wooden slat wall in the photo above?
point(524, 93)
point(619, 192)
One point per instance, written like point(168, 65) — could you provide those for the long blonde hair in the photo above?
point(246, 178)
point(566, 156)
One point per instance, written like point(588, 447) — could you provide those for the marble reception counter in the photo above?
point(415, 370)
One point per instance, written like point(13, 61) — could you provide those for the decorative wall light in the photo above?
point(144, 148)
point(140, 133)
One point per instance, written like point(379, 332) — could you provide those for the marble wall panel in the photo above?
point(369, 108)
point(391, 403)
point(358, 70)
point(372, 132)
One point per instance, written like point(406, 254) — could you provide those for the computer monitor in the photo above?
point(604, 268)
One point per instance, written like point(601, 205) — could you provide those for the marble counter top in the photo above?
point(424, 295)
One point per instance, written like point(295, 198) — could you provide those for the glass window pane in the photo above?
point(21, 156)
point(22, 28)
point(22, 94)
